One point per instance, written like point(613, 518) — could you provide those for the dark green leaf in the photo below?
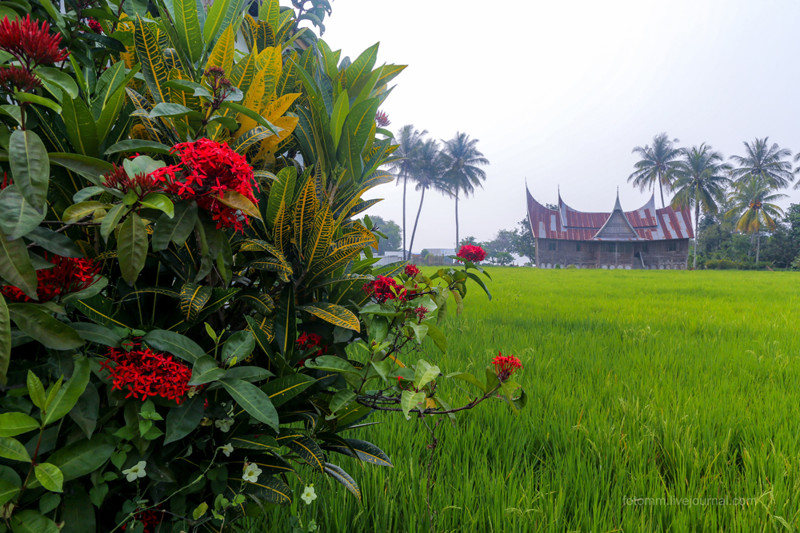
point(17, 216)
point(342, 477)
point(80, 126)
point(253, 400)
point(58, 243)
point(14, 450)
point(97, 334)
point(77, 512)
point(307, 449)
point(30, 165)
point(285, 388)
point(184, 419)
point(39, 100)
point(37, 323)
point(5, 341)
point(49, 476)
point(178, 345)
point(13, 424)
point(90, 168)
point(132, 247)
point(176, 229)
point(83, 457)
point(32, 522)
point(86, 411)
point(60, 78)
point(68, 396)
point(138, 146)
point(240, 345)
point(8, 491)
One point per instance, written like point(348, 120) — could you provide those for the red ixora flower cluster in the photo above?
point(94, 25)
point(149, 519)
point(474, 254)
point(382, 119)
point(384, 288)
point(141, 184)
point(309, 341)
point(13, 79)
point(411, 271)
point(67, 275)
point(207, 171)
point(145, 373)
point(505, 366)
point(31, 42)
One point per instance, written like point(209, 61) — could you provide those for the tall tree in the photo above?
point(700, 182)
point(656, 165)
point(390, 230)
point(768, 164)
point(462, 161)
point(753, 207)
point(427, 172)
point(409, 141)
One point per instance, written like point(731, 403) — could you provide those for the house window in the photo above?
point(611, 247)
point(644, 247)
point(551, 246)
point(672, 246)
point(577, 247)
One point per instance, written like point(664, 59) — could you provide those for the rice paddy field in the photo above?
point(657, 401)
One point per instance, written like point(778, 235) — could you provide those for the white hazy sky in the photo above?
point(559, 92)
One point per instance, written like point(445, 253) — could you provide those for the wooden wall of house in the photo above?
point(658, 255)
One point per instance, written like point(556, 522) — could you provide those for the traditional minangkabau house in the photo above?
point(647, 238)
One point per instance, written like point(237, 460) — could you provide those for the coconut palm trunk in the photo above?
point(696, 231)
point(416, 221)
point(405, 185)
point(457, 241)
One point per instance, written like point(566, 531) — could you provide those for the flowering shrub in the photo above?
point(183, 331)
point(505, 366)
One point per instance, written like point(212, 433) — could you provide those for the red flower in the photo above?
point(149, 519)
point(31, 42)
point(145, 373)
point(505, 366)
point(384, 288)
point(382, 119)
point(66, 276)
point(207, 171)
point(14, 79)
point(94, 25)
point(411, 271)
point(421, 311)
point(471, 253)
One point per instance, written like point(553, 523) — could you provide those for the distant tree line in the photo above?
point(507, 244)
point(732, 202)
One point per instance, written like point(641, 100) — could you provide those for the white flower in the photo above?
point(227, 449)
point(224, 425)
point(136, 471)
point(309, 495)
point(251, 472)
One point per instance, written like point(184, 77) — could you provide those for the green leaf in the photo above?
point(68, 396)
point(469, 378)
point(187, 27)
point(38, 324)
point(205, 370)
point(14, 450)
point(176, 229)
point(7, 491)
point(248, 373)
point(30, 166)
point(132, 247)
point(39, 100)
point(235, 200)
point(193, 298)
point(273, 489)
point(178, 345)
point(334, 314)
point(285, 388)
point(83, 457)
point(60, 78)
point(111, 220)
point(13, 424)
point(17, 216)
point(166, 109)
point(331, 363)
point(216, 14)
point(90, 168)
point(138, 145)
point(76, 212)
point(184, 419)
point(55, 242)
point(410, 400)
point(240, 345)
point(5, 341)
point(151, 57)
point(420, 331)
point(159, 201)
point(342, 477)
point(307, 449)
point(253, 400)
point(250, 113)
point(357, 126)
point(16, 267)
point(86, 411)
point(36, 390)
point(363, 450)
point(77, 511)
point(80, 126)
point(341, 399)
point(97, 334)
point(32, 522)
point(424, 373)
point(50, 477)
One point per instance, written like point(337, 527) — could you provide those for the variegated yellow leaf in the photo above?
point(193, 298)
point(150, 56)
point(305, 209)
point(238, 201)
point(320, 237)
point(222, 53)
point(334, 314)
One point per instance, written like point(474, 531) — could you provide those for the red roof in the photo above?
point(649, 223)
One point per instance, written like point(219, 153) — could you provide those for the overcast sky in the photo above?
point(559, 92)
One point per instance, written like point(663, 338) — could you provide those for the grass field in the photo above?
point(657, 402)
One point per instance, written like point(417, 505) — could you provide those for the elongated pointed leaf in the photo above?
point(178, 345)
point(138, 145)
point(285, 388)
point(307, 449)
point(410, 400)
point(80, 126)
point(176, 229)
point(216, 14)
point(334, 314)
point(13, 449)
point(68, 395)
point(150, 56)
point(30, 166)
point(90, 168)
point(30, 521)
point(17, 216)
point(83, 457)
point(193, 298)
point(253, 400)
point(13, 424)
point(343, 477)
point(132, 247)
point(187, 26)
point(37, 323)
point(50, 477)
point(184, 419)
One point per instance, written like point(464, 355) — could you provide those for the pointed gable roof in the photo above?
point(646, 223)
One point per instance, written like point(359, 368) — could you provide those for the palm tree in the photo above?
point(767, 163)
point(462, 159)
point(700, 181)
point(656, 165)
point(409, 141)
point(752, 200)
point(427, 172)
